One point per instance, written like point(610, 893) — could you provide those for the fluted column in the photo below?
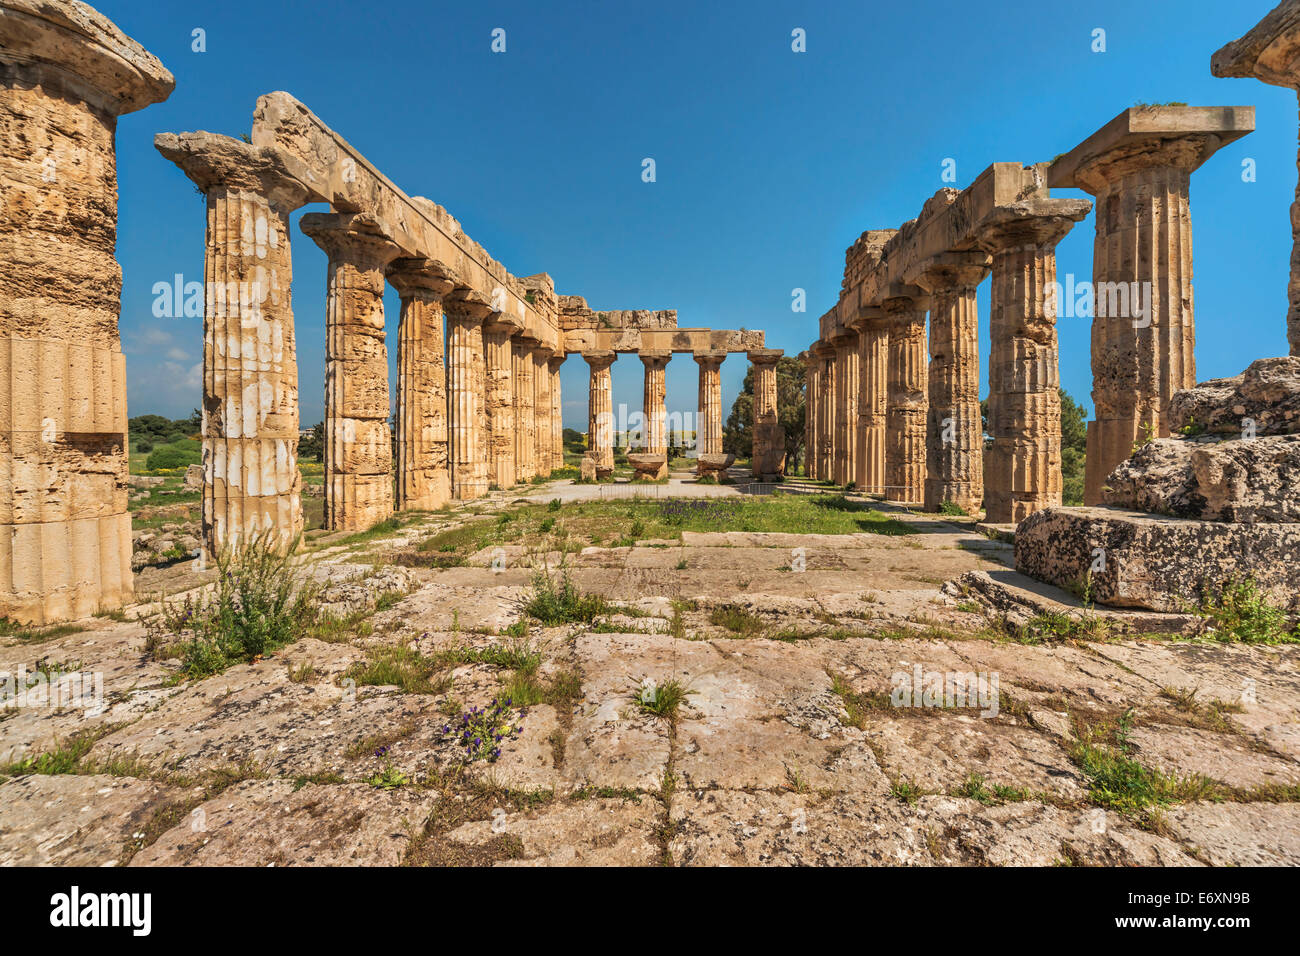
point(768, 457)
point(467, 393)
point(810, 387)
point(423, 476)
point(557, 411)
point(600, 410)
point(873, 400)
point(500, 387)
point(908, 399)
point(709, 439)
point(826, 354)
point(251, 483)
point(542, 405)
point(525, 413)
point(954, 432)
point(1022, 471)
point(654, 407)
point(358, 444)
point(65, 534)
point(846, 406)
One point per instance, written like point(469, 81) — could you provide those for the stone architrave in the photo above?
point(1271, 52)
point(908, 400)
point(709, 434)
point(251, 485)
point(557, 412)
point(423, 478)
point(954, 432)
point(848, 356)
point(600, 412)
point(525, 413)
point(498, 352)
point(768, 459)
point(873, 400)
point(66, 74)
point(358, 444)
point(1022, 470)
point(654, 409)
point(1139, 168)
point(542, 403)
point(466, 393)
point(825, 357)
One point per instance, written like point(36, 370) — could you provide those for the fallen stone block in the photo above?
point(1131, 559)
point(714, 466)
point(648, 467)
point(1267, 393)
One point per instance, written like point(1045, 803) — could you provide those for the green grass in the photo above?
point(1119, 782)
point(553, 603)
point(400, 667)
point(662, 700)
point(737, 620)
point(1241, 614)
point(36, 635)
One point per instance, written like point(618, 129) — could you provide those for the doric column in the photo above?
point(954, 435)
point(1139, 166)
point(1022, 471)
point(251, 483)
point(1268, 53)
point(654, 407)
point(709, 438)
point(873, 399)
point(65, 534)
point(500, 387)
point(358, 443)
point(809, 412)
point(542, 413)
point(768, 457)
point(557, 411)
point(846, 406)
point(525, 467)
point(826, 369)
point(908, 399)
point(600, 409)
point(467, 393)
point(423, 477)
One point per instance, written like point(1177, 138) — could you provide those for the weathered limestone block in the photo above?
point(954, 428)
point(600, 412)
point(499, 364)
point(466, 393)
point(709, 437)
point(1266, 397)
point(423, 478)
point(908, 400)
point(769, 437)
point(714, 465)
point(1271, 52)
point(66, 74)
point(1022, 471)
point(1139, 167)
point(1156, 562)
point(648, 466)
point(525, 413)
point(654, 409)
point(358, 444)
point(588, 470)
point(251, 481)
point(1244, 480)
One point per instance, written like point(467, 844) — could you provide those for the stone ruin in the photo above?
point(1188, 487)
point(484, 412)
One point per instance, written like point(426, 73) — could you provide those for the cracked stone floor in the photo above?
point(784, 751)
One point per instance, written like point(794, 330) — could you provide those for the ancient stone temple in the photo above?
point(66, 74)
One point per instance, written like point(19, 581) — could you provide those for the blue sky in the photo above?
point(770, 163)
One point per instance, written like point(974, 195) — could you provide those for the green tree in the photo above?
point(738, 432)
point(312, 445)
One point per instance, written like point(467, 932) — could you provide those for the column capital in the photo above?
point(79, 43)
point(1040, 223)
point(1149, 137)
point(599, 360)
point(503, 322)
point(952, 271)
point(822, 349)
point(215, 162)
point(356, 237)
point(901, 299)
point(655, 358)
point(556, 360)
point(468, 305)
point(762, 357)
point(711, 359)
point(416, 276)
point(870, 317)
point(1268, 52)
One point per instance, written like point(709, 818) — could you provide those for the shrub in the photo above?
point(259, 604)
point(180, 455)
point(553, 604)
point(1240, 612)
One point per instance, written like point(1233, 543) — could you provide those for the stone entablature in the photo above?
point(675, 340)
point(575, 314)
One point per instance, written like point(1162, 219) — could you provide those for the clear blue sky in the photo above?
point(770, 163)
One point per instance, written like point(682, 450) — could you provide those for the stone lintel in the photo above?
point(1145, 136)
point(668, 340)
point(83, 45)
point(1269, 52)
